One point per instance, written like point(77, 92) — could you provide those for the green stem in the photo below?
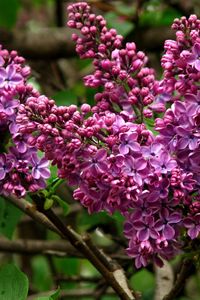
point(52, 187)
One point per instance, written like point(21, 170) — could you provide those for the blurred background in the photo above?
point(37, 30)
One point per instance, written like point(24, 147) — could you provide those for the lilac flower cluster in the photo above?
point(180, 61)
point(128, 85)
point(179, 127)
point(91, 152)
point(19, 164)
point(179, 135)
point(117, 165)
point(107, 152)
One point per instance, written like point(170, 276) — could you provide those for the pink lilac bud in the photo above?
point(85, 108)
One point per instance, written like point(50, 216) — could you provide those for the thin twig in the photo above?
point(115, 279)
point(31, 210)
point(50, 220)
point(51, 43)
point(75, 278)
point(74, 208)
point(73, 294)
point(25, 246)
point(57, 247)
point(164, 280)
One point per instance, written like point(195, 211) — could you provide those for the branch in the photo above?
point(164, 280)
point(185, 272)
point(114, 277)
point(30, 209)
point(112, 272)
point(74, 208)
point(73, 294)
point(58, 248)
point(24, 246)
point(52, 43)
point(75, 278)
point(44, 43)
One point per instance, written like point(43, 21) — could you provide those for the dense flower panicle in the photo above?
point(128, 84)
point(108, 153)
point(181, 58)
point(74, 142)
point(96, 39)
point(113, 161)
point(16, 164)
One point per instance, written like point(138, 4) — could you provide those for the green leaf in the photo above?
point(156, 17)
point(65, 97)
point(48, 203)
point(122, 26)
point(87, 269)
point(42, 278)
point(67, 266)
point(8, 13)
point(54, 174)
point(143, 281)
point(13, 283)
point(168, 16)
point(124, 9)
point(9, 217)
point(42, 2)
point(150, 124)
point(53, 296)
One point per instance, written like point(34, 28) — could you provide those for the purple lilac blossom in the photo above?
point(5, 166)
point(194, 58)
point(128, 143)
point(115, 162)
point(40, 167)
point(164, 163)
point(9, 76)
point(193, 225)
point(16, 165)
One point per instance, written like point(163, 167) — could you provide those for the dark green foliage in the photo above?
point(9, 217)
point(8, 13)
point(13, 283)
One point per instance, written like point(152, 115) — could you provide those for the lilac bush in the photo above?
point(108, 151)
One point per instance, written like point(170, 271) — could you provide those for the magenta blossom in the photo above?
point(9, 76)
point(128, 143)
point(164, 163)
point(146, 228)
point(194, 58)
point(167, 222)
point(5, 166)
point(40, 167)
point(96, 163)
point(193, 225)
point(136, 168)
